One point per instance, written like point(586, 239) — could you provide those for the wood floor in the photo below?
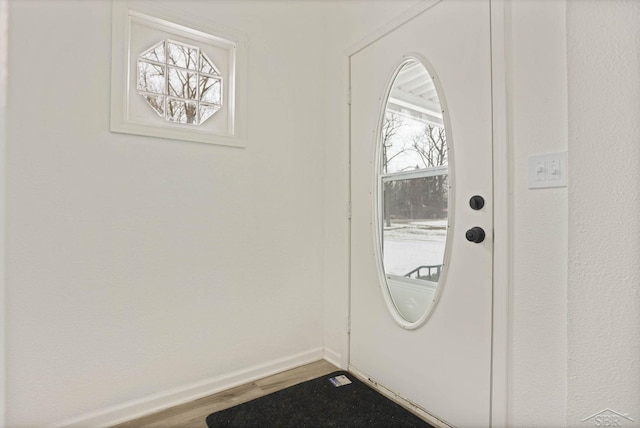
point(193, 414)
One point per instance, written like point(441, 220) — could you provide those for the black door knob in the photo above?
point(475, 234)
point(476, 202)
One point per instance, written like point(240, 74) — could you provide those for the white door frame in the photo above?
point(501, 318)
point(4, 57)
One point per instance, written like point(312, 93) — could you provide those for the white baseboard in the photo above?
point(334, 358)
point(154, 403)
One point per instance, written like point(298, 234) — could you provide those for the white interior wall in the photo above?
point(603, 50)
point(537, 92)
point(138, 266)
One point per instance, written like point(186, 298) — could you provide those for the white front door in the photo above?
point(438, 358)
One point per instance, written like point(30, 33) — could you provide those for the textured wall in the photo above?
point(603, 50)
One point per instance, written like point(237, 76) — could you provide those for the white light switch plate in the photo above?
point(548, 170)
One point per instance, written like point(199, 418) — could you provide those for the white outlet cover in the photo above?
point(548, 170)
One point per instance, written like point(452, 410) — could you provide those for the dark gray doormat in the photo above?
point(319, 403)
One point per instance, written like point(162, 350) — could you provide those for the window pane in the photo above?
point(415, 226)
point(206, 66)
point(413, 174)
point(183, 84)
point(151, 78)
point(181, 111)
point(413, 129)
point(156, 53)
point(210, 90)
point(409, 143)
point(206, 111)
point(156, 102)
point(182, 56)
point(187, 76)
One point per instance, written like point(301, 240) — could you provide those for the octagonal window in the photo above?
point(179, 82)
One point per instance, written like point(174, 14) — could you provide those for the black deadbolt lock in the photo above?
point(476, 202)
point(475, 234)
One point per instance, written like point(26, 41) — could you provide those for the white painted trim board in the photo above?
point(334, 358)
point(4, 65)
point(502, 221)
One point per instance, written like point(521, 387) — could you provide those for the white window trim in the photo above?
point(123, 14)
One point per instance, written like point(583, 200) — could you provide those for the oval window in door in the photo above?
point(414, 189)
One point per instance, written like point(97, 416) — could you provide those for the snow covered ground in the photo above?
point(413, 244)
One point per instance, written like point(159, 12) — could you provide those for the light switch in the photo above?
point(548, 170)
point(541, 171)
